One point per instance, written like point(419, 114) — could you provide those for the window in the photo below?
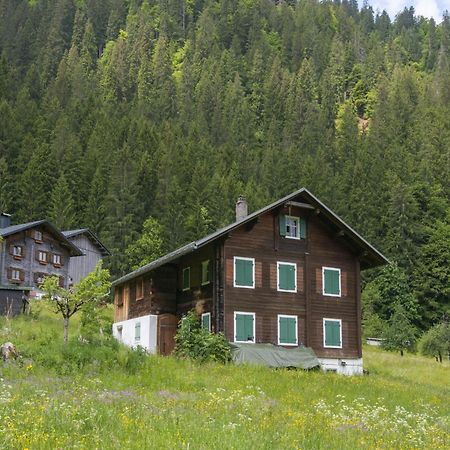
point(244, 272)
point(186, 278)
point(39, 278)
point(137, 332)
point(287, 277)
point(332, 333)
point(38, 236)
point(140, 289)
point(287, 330)
point(56, 259)
point(331, 281)
point(206, 321)
point(15, 274)
point(244, 327)
point(41, 257)
point(17, 251)
point(206, 272)
point(292, 227)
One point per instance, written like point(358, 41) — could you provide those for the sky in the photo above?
point(426, 8)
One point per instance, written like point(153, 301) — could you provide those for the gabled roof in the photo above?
point(91, 236)
point(73, 249)
point(371, 257)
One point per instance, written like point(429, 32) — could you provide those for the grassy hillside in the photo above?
point(104, 396)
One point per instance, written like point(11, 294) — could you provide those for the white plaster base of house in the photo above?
point(125, 332)
point(343, 366)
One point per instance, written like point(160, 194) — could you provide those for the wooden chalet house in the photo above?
point(288, 274)
point(28, 253)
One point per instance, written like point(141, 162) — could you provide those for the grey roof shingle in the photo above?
point(377, 257)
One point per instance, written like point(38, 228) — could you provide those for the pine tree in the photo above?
point(62, 212)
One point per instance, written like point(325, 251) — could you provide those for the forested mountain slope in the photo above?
point(113, 111)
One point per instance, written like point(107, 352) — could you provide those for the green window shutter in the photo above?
point(206, 318)
point(332, 333)
point(244, 327)
point(331, 282)
point(302, 228)
point(243, 272)
point(249, 327)
point(286, 277)
point(287, 330)
point(282, 224)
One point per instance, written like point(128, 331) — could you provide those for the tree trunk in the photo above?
point(66, 329)
point(440, 357)
point(401, 352)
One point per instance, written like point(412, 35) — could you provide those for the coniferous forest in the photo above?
point(113, 112)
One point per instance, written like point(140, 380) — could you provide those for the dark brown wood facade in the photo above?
point(162, 289)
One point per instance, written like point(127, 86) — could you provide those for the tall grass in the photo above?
point(104, 396)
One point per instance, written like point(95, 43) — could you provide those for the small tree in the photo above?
point(436, 341)
point(400, 333)
point(91, 290)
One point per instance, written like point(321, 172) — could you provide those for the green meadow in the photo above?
point(101, 395)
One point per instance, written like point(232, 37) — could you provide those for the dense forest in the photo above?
point(116, 111)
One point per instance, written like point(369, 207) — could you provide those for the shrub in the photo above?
point(194, 342)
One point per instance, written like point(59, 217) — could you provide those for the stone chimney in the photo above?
point(5, 220)
point(241, 208)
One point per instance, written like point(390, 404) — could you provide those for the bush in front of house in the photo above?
point(194, 342)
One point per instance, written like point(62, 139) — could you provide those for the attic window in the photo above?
point(38, 236)
point(292, 227)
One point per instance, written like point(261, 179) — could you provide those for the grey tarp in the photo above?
point(273, 356)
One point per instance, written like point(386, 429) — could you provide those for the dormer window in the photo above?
point(292, 227)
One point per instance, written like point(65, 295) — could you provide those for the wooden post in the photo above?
point(358, 306)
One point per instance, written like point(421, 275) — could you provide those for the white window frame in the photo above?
point(45, 254)
point(204, 315)
point(296, 329)
point(323, 281)
point(234, 272)
point(205, 264)
point(254, 327)
point(20, 250)
point(18, 271)
point(58, 257)
point(278, 276)
point(340, 332)
point(182, 279)
point(298, 227)
point(38, 236)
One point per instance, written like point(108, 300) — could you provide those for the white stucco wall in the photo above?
point(343, 366)
point(125, 332)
